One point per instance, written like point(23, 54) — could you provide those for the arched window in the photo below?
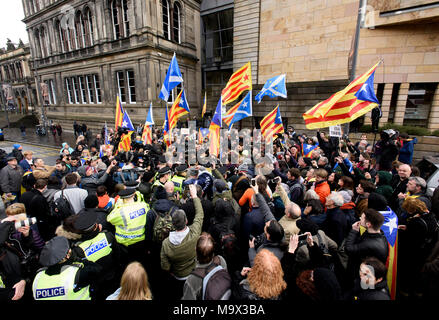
point(176, 22)
point(166, 21)
point(120, 19)
point(79, 32)
point(44, 43)
point(87, 26)
point(38, 53)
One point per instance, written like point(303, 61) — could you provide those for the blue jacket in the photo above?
point(25, 165)
point(406, 151)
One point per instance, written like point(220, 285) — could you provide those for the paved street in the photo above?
point(14, 134)
point(48, 154)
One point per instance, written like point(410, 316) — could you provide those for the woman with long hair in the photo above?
point(134, 284)
point(265, 280)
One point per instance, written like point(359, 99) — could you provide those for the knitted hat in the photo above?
point(219, 185)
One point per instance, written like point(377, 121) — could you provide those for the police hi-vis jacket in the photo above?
point(129, 220)
point(59, 286)
point(96, 248)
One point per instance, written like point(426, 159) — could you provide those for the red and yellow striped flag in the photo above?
point(125, 142)
point(176, 112)
point(228, 117)
point(119, 114)
point(240, 81)
point(271, 124)
point(341, 107)
point(203, 111)
point(214, 139)
point(147, 135)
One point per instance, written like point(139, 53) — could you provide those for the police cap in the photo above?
point(127, 193)
point(181, 168)
point(131, 184)
point(54, 251)
point(162, 159)
point(85, 220)
point(164, 170)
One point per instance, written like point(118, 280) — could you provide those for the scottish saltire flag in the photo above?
point(166, 136)
point(126, 122)
point(173, 78)
point(274, 87)
point(244, 110)
point(390, 230)
point(214, 130)
point(307, 149)
point(150, 117)
point(119, 114)
point(106, 142)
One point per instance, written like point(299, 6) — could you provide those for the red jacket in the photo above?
point(323, 190)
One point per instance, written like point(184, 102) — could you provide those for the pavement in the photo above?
point(14, 135)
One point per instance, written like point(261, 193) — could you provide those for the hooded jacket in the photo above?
point(92, 182)
point(384, 185)
point(180, 259)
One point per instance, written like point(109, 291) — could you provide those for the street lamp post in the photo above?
point(361, 12)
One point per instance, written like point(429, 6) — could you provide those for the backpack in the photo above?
point(217, 282)
point(60, 208)
point(162, 225)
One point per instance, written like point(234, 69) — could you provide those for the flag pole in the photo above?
point(361, 9)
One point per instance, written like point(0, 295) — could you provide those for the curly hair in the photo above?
point(306, 284)
point(266, 277)
point(414, 206)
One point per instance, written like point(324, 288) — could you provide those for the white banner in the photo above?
point(335, 131)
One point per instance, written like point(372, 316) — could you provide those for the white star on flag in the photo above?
point(124, 124)
point(391, 225)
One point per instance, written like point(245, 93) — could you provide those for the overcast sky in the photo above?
point(11, 25)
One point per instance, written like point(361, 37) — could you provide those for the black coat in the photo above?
point(335, 225)
point(379, 292)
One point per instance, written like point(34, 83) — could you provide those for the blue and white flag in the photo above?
point(126, 122)
point(367, 92)
point(274, 87)
point(390, 225)
point(244, 110)
point(173, 78)
point(149, 118)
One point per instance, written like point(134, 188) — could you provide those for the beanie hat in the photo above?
point(219, 185)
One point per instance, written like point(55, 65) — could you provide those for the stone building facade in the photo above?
point(88, 52)
point(311, 41)
point(17, 80)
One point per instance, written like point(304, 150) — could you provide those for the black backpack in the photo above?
point(61, 208)
point(217, 283)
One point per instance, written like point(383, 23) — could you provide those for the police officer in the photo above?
point(179, 177)
point(162, 176)
point(100, 247)
point(129, 219)
point(62, 277)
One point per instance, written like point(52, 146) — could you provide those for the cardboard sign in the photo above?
point(335, 131)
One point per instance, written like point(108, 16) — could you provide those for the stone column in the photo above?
point(433, 122)
point(385, 105)
point(401, 104)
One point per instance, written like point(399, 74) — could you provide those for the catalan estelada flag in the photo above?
point(240, 81)
point(307, 149)
point(227, 118)
point(203, 111)
point(214, 130)
point(346, 105)
point(125, 142)
point(272, 124)
point(119, 114)
point(390, 230)
point(147, 130)
point(179, 108)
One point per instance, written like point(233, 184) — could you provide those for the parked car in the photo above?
point(429, 167)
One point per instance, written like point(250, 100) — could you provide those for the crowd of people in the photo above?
point(129, 225)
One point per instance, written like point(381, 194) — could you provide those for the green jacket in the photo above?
point(180, 259)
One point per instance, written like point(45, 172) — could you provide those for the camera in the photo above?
point(25, 223)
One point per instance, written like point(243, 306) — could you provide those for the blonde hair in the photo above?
point(15, 208)
point(134, 283)
point(266, 277)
